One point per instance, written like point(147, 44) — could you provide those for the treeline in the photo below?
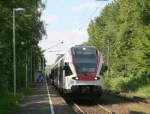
point(29, 31)
point(122, 32)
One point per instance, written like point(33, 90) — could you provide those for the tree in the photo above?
point(126, 23)
point(29, 31)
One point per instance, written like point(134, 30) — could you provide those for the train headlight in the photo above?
point(95, 78)
point(76, 78)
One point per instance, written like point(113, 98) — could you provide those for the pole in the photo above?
point(14, 53)
point(31, 65)
point(43, 65)
point(26, 68)
point(108, 57)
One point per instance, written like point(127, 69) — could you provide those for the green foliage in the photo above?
point(8, 102)
point(29, 31)
point(126, 25)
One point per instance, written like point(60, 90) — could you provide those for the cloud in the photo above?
point(79, 33)
point(74, 22)
point(86, 5)
point(69, 37)
point(49, 18)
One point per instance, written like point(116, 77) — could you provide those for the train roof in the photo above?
point(61, 56)
point(87, 46)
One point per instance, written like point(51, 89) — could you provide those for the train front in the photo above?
point(87, 63)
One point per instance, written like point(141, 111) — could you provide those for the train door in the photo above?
point(55, 76)
point(67, 73)
point(58, 73)
point(61, 74)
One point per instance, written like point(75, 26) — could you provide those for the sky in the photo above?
point(67, 21)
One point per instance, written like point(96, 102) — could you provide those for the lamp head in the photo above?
point(19, 9)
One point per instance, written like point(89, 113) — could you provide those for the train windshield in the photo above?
point(85, 59)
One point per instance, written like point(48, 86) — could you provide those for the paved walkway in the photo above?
point(43, 101)
point(36, 102)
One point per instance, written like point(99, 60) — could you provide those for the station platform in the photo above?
point(42, 99)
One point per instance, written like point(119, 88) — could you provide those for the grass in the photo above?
point(143, 92)
point(128, 85)
point(8, 102)
point(137, 112)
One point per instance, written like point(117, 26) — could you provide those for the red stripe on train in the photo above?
point(86, 76)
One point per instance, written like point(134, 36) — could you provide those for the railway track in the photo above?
point(106, 104)
point(84, 107)
point(97, 109)
point(87, 106)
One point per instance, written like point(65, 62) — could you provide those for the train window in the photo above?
point(84, 51)
point(85, 59)
point(67, 69)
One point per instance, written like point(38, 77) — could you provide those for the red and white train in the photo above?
point(79, 71)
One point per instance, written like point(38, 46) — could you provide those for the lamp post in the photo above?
point(50, 48)
point(14, 47)
point(26, 68)
point(43, 60)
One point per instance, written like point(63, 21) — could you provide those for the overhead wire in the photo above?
point(89, 17)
